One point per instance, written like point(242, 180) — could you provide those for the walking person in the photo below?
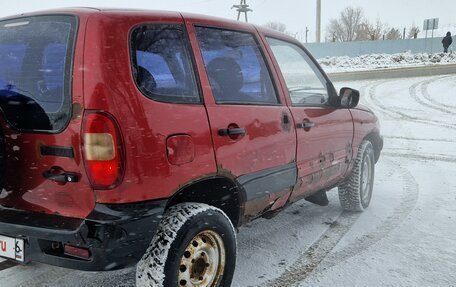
point(446, 41)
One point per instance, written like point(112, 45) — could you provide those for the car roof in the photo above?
point(135, 12)
point(152, 13)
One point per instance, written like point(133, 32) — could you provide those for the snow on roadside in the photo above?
point(384, 61)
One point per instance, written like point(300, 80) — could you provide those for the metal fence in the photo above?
point(352, 49)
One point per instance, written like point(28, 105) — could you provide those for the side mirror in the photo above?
point(348, 98)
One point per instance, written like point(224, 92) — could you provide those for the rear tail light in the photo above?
point(103, 153)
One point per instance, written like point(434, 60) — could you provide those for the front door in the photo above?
point(324, 132)
point(251, 127)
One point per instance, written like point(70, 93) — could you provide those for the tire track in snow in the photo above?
point(315, 254)
point(409, 199)
point(427, 95)
point(378, 106)
point(366, 90)
point(394, 114)
point(325, 257)
point(320, 254)
point(413, 90)
point(424, 157)
point(419, 139)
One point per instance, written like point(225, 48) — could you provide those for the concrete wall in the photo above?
point(407, 72)
point(352, 49)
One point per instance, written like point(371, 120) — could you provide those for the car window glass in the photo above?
point(163, 68)
point(35, 71)
point(305, 84)
point(235, 66)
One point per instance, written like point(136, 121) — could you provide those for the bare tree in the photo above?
point(377, 30)
point(393, 34)
point(363, 32)
point(369, 31)
point(276, 26)
point(347, 26)
point(413, 32)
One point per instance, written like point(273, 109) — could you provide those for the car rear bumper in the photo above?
point(115, 235)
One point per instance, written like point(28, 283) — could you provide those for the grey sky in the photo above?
point(296, 14)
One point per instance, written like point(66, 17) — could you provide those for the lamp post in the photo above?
point(307, 31)
point(318, 29)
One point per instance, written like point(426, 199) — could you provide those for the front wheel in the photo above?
point(356, 192)
point(195, 245)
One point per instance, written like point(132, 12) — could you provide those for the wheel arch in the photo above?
point(218, 191)
point(377, 143)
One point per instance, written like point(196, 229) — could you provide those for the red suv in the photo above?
point(152, 136)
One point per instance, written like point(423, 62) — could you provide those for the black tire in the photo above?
point(183, 225)
point(356, 192)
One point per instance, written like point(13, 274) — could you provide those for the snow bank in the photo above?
point(384, 61)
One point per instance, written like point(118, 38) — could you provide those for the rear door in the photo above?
point(41, 103)
point(324, 132)
point(154, 96)
point(250, 124)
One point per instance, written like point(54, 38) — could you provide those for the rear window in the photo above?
point(162, 64)
point(35, 72)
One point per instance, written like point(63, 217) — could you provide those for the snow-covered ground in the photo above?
point(407, 237)
point(384, 61)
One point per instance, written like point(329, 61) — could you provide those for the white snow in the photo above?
point(407, 236)
point(384, 61)
point(4, 193)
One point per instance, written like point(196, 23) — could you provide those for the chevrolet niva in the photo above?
point(148, 138)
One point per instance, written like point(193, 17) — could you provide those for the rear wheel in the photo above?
point(356, 192)
point(201, 263)
point(195, 245)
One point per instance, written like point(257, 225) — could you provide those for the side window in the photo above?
point(235, 66)
point(306, 85)
point(162, 65)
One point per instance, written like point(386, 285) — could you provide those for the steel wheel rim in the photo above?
point(366, 176)
point(203, 261)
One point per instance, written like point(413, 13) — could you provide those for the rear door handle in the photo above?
point(58, 175)
point(231, 132)
point(306, 125)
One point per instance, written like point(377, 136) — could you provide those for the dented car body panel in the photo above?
point(206, 114)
